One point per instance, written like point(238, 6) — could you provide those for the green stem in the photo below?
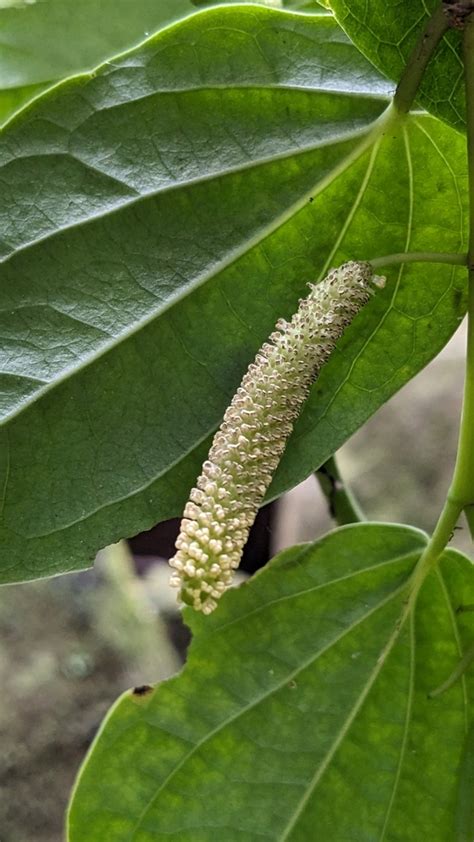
point(143, 636)
point(461, 492)
point(343, 507)
point(440, 538)
point(462, 487)
point(451, 258)
point(469, 512)
point(407, 89)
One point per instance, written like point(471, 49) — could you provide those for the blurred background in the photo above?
point(70, 646)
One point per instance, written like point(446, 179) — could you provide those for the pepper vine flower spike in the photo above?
point(248, 446)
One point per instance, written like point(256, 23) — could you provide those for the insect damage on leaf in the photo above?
point(250, 442)
point(143, 690)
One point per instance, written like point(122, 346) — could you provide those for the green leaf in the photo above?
point(386, 31)
point(158, 218)
point(303, 711)
point(305, 5)
point(43, 41)
point(465, 806)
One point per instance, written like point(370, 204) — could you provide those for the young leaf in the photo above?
point(303, 699)
point(159, 217)
point(387, 31)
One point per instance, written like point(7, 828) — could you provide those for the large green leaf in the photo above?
point(47, 40)
point(158, 217)
point(387, 31)
point(303, 712)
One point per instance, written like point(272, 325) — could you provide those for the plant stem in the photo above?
point(461, 491)
point(469, 512)
point(462, 487)
point(440, 538)
point(436, 27)
point(451, 258)
point(143, 636)
point(343, 507)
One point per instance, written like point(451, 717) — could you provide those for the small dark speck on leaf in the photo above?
point(292, 685)
point(311, 199)
point(457, 297)
point(143, 690)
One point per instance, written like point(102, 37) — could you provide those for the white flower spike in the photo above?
point(250, 442)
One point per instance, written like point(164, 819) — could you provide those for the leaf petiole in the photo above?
point(450, 258)
point(461, 492)
point(425, 47)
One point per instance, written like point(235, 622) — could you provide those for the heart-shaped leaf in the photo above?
point(157, 219)
point(303, 712)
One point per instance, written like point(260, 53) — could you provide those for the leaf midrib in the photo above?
point(344, 730)
point(408, 718)
point(458, 641)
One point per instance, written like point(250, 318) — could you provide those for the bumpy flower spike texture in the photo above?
point(250, 442)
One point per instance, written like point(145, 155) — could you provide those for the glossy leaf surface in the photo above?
point(303, 699)
point(157, 219)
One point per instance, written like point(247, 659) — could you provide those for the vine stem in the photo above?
point(461, 491)
point(416, 65)
point(451, 258)
point(441, 536)
point(462, 488)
